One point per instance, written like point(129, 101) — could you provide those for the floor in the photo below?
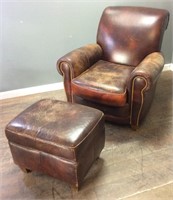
point(134, 165)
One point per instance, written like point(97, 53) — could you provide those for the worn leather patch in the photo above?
point(104, 82)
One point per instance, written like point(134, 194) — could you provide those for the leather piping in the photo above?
point(53, 143)
point(142, 101)
point(102, 92)
point(71, 75)
point(123, 93)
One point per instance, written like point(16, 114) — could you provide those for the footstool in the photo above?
point(57, 138)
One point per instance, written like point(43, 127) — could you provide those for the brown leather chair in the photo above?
point(119, 73)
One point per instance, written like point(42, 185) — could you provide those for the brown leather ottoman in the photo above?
point(57, 138)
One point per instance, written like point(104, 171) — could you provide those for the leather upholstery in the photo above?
point(74, 63)
point(100, 83)
point(125, 29)
point(57, 138)
point(118, 74)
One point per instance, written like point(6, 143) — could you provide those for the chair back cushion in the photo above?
point(128, 34)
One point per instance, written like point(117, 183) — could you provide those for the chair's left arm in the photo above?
point(142, 84)
point(77, 61)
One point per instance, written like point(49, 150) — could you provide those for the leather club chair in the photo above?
point(119, 73)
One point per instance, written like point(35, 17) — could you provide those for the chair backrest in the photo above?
point(128, 34)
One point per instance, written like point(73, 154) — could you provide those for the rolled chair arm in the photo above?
point(76, 62)
point(79, 59)
point(149, 69)
point(141, 86)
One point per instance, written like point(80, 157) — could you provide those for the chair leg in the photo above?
point(134, 127)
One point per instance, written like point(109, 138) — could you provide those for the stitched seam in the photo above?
point(38, 139)
point(34, 148)
point(66, 147)
point(142, 101)
point(101, 92)
point(39, 151)
point(71, 76)
point(77, 181)
point(89, 131)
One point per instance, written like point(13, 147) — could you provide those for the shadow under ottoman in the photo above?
point(58, 138)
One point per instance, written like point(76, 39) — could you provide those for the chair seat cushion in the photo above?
point(104, 82)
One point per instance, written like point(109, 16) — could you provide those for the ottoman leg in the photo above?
point(25, 170)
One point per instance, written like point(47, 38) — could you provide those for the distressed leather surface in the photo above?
point(150, 69)
point(128, 34)
point(57, 138)
point(142, 85)
point(56, 127)
point(104, 83)
point(79, 60)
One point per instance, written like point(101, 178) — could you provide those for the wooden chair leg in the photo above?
point(25, 170)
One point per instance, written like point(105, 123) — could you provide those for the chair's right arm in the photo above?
point(77, 61)
point(142, 84)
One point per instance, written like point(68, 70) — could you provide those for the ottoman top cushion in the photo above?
point(53, 126)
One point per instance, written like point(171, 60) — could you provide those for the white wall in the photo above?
point(34, 34)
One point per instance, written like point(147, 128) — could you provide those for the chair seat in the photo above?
point(104, 82)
